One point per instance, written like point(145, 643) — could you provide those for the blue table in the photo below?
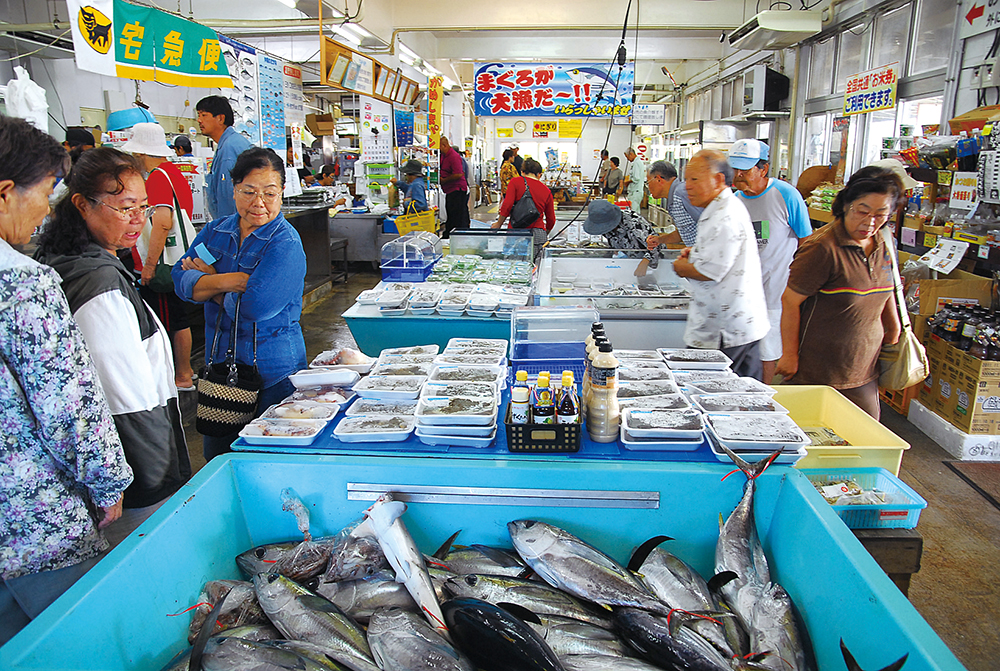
point(374, 332)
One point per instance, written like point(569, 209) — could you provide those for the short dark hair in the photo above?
point(216, 105)
point(27, 155)
point(604, 153)
point(866, 181)
point(507, 153)
point(328, 170)
point(664, 169)
point(616, 161)
point(531, 167)
point(96, 173)
point(183, 141)
point(257, 158)
point(763, 164)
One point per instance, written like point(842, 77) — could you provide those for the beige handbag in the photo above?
point(903, 364)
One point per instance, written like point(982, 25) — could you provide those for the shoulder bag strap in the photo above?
point(904, 317)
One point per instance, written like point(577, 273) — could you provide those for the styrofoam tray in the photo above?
point(630, 442)
point(482, 314)
point(346, 431)
point(312, 377)
point(329, 355)
point(301, 410)
point(456, 441)
point(741, 385)
point(480, 431)
point(451, 312)
point(393, 298)
point(789, 458)
point(695, 359)
point(632, 415)
point(470, 360)
point(765, 432)
point(648, 354)
point(422, 311)
point(662, 401)
point(730, 404)
point(648, 388)
point(390, 387)
point(387, 357)
point(310, 428)
point(494, 374)
point(685, 377)
point(483, 390)
point(644, 374)
point(368, 297)
point(402, 368)
point(375, 406)
point(326, 394)
point(474, 419)
point(498, 345)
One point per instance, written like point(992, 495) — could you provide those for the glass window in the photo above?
point(817, 140)
point(738, 95)
point(934, 22)
point(891, 33)
point(820, 67)
point(921, 112)
point(881, 124)
point(727, 100)
point(851, 54)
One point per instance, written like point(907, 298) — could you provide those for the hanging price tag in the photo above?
point(984, 251)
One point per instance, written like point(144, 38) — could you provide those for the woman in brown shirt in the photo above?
point(838, 308)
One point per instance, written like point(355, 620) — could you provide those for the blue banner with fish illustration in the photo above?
point(554, 89)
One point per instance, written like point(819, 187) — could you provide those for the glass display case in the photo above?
point(504, 243)
point(410, 258)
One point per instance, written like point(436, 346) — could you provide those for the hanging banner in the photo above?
point(557, 89)
point(117, 39)
point(871, 90)
point(435, 94)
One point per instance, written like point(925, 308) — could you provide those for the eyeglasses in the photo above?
point(878, 217)
point(144, 211)
point(266, 196)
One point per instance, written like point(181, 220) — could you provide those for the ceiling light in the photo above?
point(406, 50)
point(350, 37)
point(358, 29)
point(288, 3)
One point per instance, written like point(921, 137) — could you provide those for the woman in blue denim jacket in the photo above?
point(257, 254)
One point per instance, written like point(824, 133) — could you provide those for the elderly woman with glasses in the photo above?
point(256, 258)
point(103, 211)
point(839, 306)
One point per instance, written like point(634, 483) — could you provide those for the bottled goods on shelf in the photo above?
point(520, 406)
point(972, 328)
point(603, 412)
point(568, 404)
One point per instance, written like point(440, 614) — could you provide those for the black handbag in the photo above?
point(227, 391)
point(525, 212)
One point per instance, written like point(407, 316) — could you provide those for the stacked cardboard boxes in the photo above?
point(962, 389)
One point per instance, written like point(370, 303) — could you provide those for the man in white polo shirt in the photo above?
point(727, 309)
point(780, 220)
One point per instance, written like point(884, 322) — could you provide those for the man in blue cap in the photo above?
point(780, 219)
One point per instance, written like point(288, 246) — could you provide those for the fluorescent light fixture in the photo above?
point(288, 3)
point(447, 83)
point(358, 29)
point(407, 59)
point(350, 37)
point(433, 69)
point(406, 50)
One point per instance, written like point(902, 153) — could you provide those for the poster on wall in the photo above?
point(295, 100)
point(244, 93)
point(871, 90)
point(376, 131)
point(404, 127)
point(543, 128)
point(193, 169)
point(554, 89)
point(272, 104)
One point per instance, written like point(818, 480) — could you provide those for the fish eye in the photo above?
point(271, 577)
point(313, 584)
point(260, 552)
point(529, 524)
point(471, 580)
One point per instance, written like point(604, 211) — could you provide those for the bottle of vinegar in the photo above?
point(568, 407)
point(543, 409)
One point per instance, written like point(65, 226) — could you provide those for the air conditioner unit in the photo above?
point(776, 30)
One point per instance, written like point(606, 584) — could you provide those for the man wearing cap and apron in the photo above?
point(780, 219)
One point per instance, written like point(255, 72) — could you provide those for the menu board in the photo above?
point(272, 104)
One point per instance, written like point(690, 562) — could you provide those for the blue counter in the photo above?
point(374, 332)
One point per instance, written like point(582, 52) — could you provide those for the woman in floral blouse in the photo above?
point(507, 171)
point(60, 456)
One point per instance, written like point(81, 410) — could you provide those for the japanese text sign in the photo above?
point(556, 89)
point(871, 90)
point(963, 190)
point(435, 94)
point(117, 39)
point(978, 16)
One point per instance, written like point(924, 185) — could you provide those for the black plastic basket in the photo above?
point(541, 438)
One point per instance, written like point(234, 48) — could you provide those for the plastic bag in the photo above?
point(241, 608)
point(911, 273)
point(26, 99)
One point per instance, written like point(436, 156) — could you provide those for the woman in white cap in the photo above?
point(165, 186)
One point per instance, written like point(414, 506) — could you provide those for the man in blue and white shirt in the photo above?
point(780, 219)
point(215, 118)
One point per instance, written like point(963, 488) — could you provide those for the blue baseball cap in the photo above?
point(744, 154)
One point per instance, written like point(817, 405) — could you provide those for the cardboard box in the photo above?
point(320, 124)
point(962, 389)
point(974, 119)
point(975, 288)
point(956, 443)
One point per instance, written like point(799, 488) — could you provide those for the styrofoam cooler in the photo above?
point(116, 616)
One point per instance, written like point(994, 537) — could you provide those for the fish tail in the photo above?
point(751, 470)
point(852, 664)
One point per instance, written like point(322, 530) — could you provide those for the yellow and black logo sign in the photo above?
point(95, 28)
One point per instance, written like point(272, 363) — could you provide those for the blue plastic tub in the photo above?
point(900, 511)
point(118, 615)
point(400, 269)
point(554, 357)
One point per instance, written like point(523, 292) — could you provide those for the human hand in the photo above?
point(236, 282)
point(393, 180)
point(685, 253)
point(194, 263)
point(111, 513)
point(640, 270)
point(148, 271)
point(787, 366)
point(652, 242)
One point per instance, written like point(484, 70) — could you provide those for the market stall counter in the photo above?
point(311, 223)
point(363, 231)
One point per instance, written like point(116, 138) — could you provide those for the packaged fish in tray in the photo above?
point(763, 433)
point(386, 358)
point(489, 360)
point(685, 378)
point(277, 432)
point(344, 358)
point(661, 402)
point(376, 406)
point(740, 385)
point(483, 390)
point(455, 440)
point(390, 387)
point(737, 403)
point(393, 299)
point(301, 410)
point(438, 410)
point(478, 345)
point(655, 423)
point(402, 368)
point(327, 394)
point(646, 388)
point(630, 374)
point(424, 297)
point(634, 443)
point(647, 354)
point(368, 297)
point(426, 350)
point(374, 428)
point(472, 430)
point(695, 359)
point(455, 373)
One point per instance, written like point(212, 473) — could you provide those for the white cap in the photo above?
point(896, 166)
point(744, 154)
point(149, 139)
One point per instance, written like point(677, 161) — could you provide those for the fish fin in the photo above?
point(198, 648)
point(720, 579)
point(642, 552)
point(722, 522)
point(519, 612)
point(313, 602)
point(898, 664)
point(852, 664)
point(442, 551)
point(526, 573)
point(499, 557)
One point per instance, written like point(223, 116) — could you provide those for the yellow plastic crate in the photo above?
point(871, 444)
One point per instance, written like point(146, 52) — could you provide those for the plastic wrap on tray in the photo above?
point(656, 423)
point(737, 403)
point(344, 357)
point(689, 377)
point(663, 402)
point(452, 373)
point(740, 385)
point(648, 354)
point(646, 388)
point(630, 374)
point(374, 428)
point(760, 432)
point(437, 410)
point(395, 387)
point(376, 406)
point(402, 368)
point(312, 377)
point(282, 431)
point(483, 390)
point(322, 394)
point(412, 350)
point(493, 345)
point(301, 410)
point(694, 359)
point(470, 359)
